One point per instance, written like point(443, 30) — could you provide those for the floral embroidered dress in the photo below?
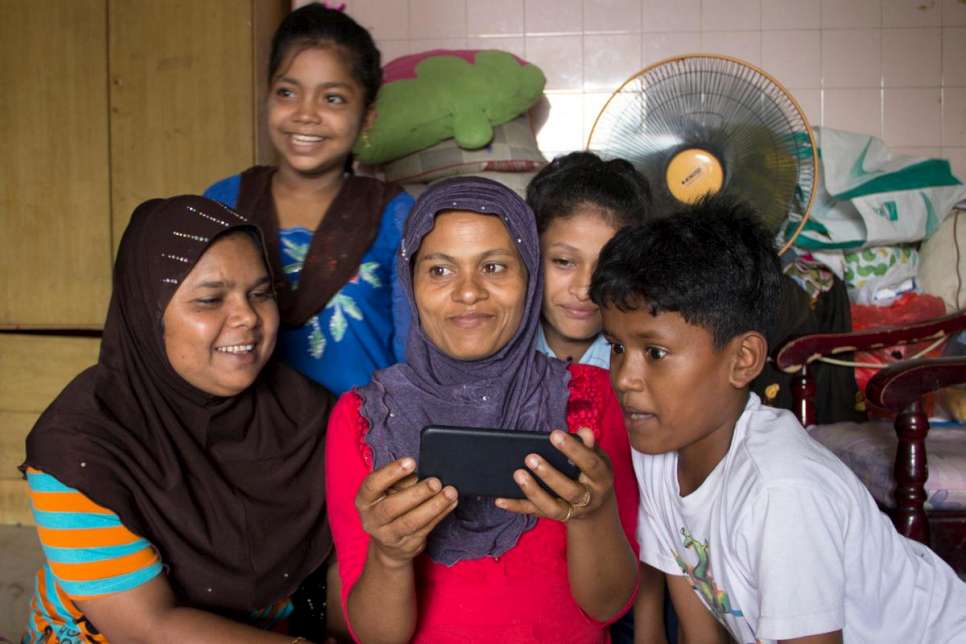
point(352, 336)
point(360, 328)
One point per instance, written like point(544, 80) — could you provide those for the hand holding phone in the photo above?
point(399, 512)
point(574, 499)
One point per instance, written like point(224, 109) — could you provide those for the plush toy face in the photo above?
point(429, 97)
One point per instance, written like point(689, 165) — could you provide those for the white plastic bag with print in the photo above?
point(867, 196)
point(880, 274)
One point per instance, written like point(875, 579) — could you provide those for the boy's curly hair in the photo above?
point(711, 262)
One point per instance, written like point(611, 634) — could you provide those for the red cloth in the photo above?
point(909, 308)
point(523, 596)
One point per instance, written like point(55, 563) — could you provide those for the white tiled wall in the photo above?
point(892, 68)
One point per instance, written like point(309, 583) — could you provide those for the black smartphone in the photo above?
point(481, 462)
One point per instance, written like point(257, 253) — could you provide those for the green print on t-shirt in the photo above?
point(701, 578)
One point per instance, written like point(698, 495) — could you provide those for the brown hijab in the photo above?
point(348, 228)
point(229, 490)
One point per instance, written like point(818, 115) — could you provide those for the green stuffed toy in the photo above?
point(429, 97)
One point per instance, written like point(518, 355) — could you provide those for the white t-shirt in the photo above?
point(782, 541)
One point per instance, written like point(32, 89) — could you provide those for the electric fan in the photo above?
point(706, 123)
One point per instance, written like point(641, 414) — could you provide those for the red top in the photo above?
point(522, 596)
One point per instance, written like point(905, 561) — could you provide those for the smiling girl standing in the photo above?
point(332, 236)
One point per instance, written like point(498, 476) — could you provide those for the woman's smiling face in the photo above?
point(470, 285)
point(221, 323)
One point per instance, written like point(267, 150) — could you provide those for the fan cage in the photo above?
point(784, 114)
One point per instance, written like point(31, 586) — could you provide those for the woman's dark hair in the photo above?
point(315, 25)
point(712, 262)
point(584, 179)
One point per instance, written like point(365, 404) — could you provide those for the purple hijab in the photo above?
point(515, 388)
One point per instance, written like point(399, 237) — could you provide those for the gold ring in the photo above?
point(570, 513)
point(584, 500)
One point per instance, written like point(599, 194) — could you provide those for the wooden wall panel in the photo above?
point(33, 370)
point(266, 16)
point(14, 427)
point(181, 97)
point(54, 192)
point(14, 504)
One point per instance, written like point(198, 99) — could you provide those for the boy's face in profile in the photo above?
point(674, 386)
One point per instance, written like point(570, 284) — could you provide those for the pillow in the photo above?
point(513, 149)
point(440, 94)
point(940, 253)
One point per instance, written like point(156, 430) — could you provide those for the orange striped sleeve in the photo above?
point(89, 551)
point(86, 537)
point(61, 502)
point(67, 603)
point(105, 568)
point(47, 606)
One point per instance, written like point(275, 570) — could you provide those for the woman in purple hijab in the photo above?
point(417, 561)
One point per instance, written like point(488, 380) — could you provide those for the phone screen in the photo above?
point(481, 462)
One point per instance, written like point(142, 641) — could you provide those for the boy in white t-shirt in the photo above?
point(760, 533)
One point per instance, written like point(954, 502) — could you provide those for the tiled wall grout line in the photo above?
point(830, 83)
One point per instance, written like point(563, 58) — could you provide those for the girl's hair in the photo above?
point(584, 179)
point(315, 25)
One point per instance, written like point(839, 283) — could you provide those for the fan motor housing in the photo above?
point(693, 173)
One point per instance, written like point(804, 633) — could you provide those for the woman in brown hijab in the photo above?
point(178, 485)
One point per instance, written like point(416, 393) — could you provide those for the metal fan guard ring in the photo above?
point(778, 85)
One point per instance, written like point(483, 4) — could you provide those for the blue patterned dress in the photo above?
point(362, 328)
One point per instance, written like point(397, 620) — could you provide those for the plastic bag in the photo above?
point(879, 275)
point(867, 196)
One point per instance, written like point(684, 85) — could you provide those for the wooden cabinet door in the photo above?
point(182, 109)
point(107, 103)
point(55, 227)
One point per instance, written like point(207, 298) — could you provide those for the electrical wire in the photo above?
point(959, 272)
point(879, 365)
